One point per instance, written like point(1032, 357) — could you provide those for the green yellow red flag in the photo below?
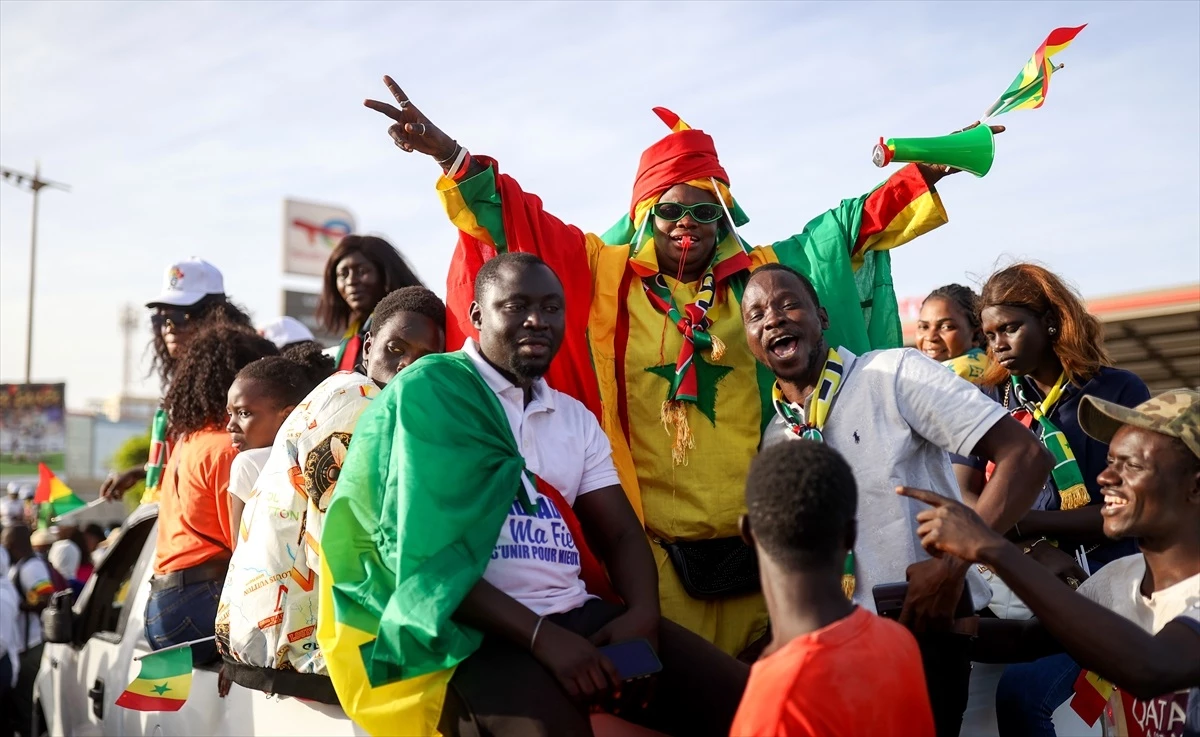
point(51, 490)
point(1091, 695)
point(1031, 86)
point(162, 684)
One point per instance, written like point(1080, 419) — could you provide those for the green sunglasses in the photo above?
point(704, 212)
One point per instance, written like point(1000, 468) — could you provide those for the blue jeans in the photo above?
point(182, 613)
point(1028, 694)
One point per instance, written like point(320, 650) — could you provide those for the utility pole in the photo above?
point(32, 184)
point(129, 323)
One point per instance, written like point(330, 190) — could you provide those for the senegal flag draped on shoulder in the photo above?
point(427, 483)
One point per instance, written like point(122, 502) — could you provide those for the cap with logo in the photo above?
point(284, 331)
point(1174, 413)
point(189, 281)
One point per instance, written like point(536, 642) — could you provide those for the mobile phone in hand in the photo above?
point(889, 599)
point(633, 659)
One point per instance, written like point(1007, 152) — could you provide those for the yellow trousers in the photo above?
point(730, 624)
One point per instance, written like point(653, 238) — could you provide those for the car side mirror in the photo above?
point(58, 619)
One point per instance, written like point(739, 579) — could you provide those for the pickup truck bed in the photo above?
point(80, 680)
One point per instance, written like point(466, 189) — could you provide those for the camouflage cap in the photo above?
point(1174, 413)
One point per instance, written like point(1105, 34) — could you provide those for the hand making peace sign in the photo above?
point(412, 131)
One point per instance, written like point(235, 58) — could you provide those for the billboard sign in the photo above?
point(310, 233)
point(33, 428)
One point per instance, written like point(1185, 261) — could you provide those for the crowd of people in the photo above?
point(35, 564)
point(658, 481)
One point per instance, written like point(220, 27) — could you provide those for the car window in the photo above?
point(104, 610)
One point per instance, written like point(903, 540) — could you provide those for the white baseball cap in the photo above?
point(189, 281)
point(27, 491)
point(283, 331)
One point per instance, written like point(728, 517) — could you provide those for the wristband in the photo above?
point(536, 628)
point(453, 152)
point(460, 165)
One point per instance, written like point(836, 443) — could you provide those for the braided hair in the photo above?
point(307, 354)
point(968, 303)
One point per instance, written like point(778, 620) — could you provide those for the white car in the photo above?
point(88, 662)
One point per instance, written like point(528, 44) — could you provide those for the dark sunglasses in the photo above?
point(171, 317)
point(705, 212)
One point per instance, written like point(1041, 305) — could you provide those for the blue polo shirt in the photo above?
point(1113, 385)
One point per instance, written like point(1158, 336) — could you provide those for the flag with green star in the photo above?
point(162, 684)
point(708, 375)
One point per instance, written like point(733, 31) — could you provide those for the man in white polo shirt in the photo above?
point(519, 312)
point(492, 477)
point(894, 415)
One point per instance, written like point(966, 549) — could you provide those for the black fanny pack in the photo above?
point(714, 569)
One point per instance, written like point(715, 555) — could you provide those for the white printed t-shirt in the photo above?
point(535, 560)
point(895, 419)
point(267, 615)
point(247, 465)
point(1118, 587)
point(31, 577)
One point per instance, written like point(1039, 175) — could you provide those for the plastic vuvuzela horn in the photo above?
point(970, 150)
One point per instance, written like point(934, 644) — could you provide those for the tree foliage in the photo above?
point(133, 452)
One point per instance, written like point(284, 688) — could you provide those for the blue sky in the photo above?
point(182, 126)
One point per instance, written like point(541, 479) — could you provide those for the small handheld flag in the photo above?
point(1031, 86)
point(51, 490)
point(162, 683)
point(158, 450)
point(1091, 694)
point(973, 149)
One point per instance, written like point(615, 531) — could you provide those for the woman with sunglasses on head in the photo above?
point(193, 296)
point(1047, 354)
point(195, 536)
point(359, 272)
point(654, 332)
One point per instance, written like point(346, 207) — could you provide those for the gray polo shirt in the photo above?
point(895, 420)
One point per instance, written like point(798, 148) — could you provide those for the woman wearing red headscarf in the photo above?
point(655, 336)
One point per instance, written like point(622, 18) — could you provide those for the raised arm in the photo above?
point(905, 206)
point(476, 196)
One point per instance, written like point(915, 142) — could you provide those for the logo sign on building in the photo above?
point(303, 307)
point(310, 233)
point(33, 428)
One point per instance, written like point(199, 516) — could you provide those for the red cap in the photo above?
point(682, 156)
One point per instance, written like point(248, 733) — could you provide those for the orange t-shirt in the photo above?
point(193, 507)
point(860, 675)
